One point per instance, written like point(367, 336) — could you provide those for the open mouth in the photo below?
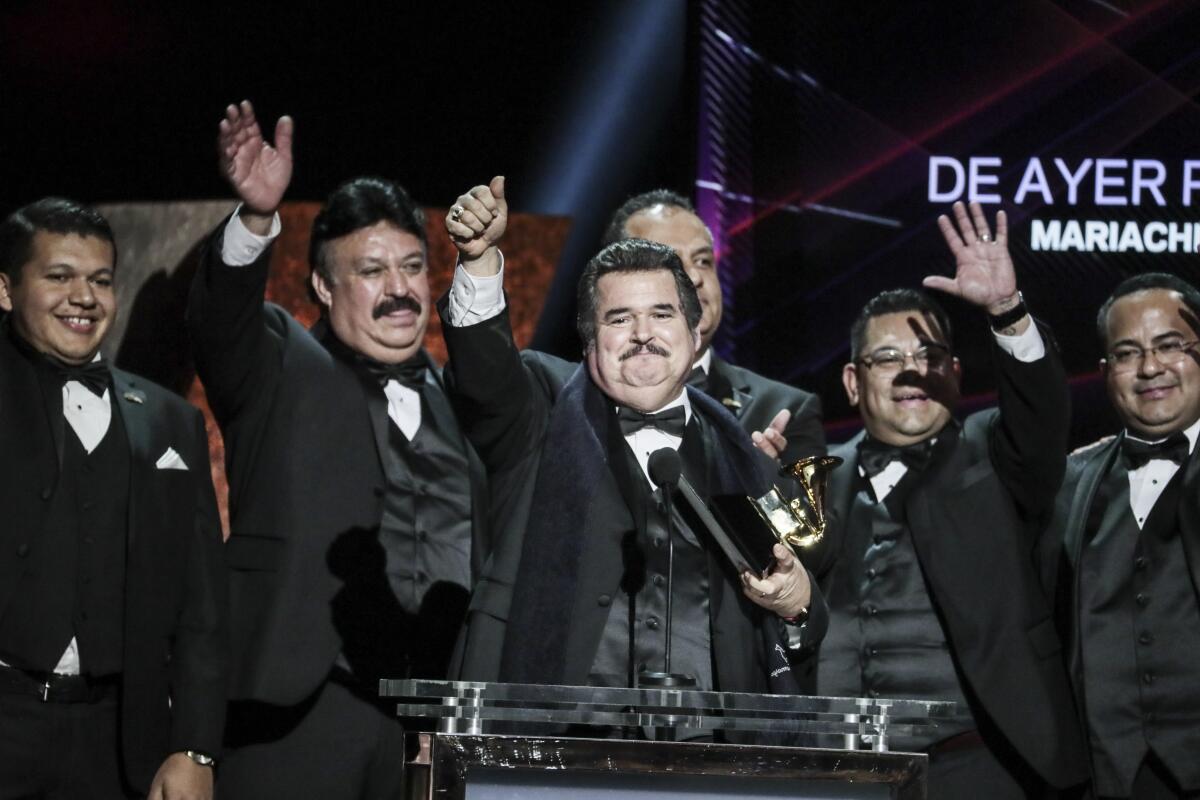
point(78, 324)
point(910, 398)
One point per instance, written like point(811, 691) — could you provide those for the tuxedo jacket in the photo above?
point(974, 517)
point(1062, 544)
point(755, 401)
point(305, 441)
point(175, 637)
point(559, 517)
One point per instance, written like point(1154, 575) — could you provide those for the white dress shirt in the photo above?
point(646, 440)
point(1146, 483)
point(241, 247)
point(1025, 347)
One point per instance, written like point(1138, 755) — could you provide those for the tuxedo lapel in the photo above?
point(576, 508)
point(842, 482)
point(374, 400)
point(1083, 497)
point(131, 403)
point(724, 387)
point(1189, 518)
point(737, 467)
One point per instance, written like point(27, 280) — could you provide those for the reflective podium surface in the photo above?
point(496, 741)
point(476, 708)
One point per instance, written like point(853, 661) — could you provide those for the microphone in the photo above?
point(666, 468)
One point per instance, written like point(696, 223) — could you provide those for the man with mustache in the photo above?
point(934, 594)
point(113, 638)
point(1121, 555)
point(355, 502)
point(767, 409)
point(576, 590)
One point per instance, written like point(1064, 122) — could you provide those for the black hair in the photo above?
point(1139, 283)
point(53, 215)
point(615, 231)
point(360, 203)
point(632, 255)
point(894, 301)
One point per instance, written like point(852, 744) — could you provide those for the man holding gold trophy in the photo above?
point(578, 589)
point(932, 590)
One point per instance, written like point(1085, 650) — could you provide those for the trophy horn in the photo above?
point(800, 523)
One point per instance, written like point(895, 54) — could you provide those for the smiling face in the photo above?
point(64, 303)
point(1153, 399)
point(643, 349)
point(378, 293)
point(914, 403)
point(690, 238)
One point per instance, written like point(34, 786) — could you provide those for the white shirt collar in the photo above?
point(705, 361)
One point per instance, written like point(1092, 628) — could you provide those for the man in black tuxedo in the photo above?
point(113, 633)
point(934, 594)
point(355, 501)
point(575, 590)
point(760, 404)
point(1121, 555)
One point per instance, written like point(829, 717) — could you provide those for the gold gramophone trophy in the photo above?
point(736, 522)
point(800, 523)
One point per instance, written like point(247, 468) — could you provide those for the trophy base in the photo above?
point(665, 680)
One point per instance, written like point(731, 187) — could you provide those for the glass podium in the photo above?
point(489, 741)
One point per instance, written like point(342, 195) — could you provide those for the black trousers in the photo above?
point(339, 744)
point(60, 751)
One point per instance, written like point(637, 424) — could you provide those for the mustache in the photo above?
point(393, 304)
point(641, 349)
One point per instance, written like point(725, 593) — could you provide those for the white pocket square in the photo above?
point(170, 460)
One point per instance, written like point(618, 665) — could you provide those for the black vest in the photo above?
point(634, 636)
point(886, 638)
point(425, 532)
point(1139, 629)
point(73, 583)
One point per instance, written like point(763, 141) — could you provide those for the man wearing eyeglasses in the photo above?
point(933, 594)
point(1122, 553)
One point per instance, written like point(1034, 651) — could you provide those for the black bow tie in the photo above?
point(94, 375)
point(874, 456)
point(671, 421)
point(409, 373)
point(1138, 453)
point(698, 378)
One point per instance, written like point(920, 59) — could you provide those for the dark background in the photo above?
point(583, 103)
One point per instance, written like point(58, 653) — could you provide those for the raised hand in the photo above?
point(771, 439)
point(984, 273)
point(477, 220)
point(258, 172)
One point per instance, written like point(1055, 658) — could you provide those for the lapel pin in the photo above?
point(135, 397)
point(729, 402)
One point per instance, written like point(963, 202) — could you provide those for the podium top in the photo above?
point(519, 704)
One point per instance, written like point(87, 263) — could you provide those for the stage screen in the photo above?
point(832, 134)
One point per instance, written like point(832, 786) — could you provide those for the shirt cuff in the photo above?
point(1025, 347)
point(240, 247)
point(474, 299)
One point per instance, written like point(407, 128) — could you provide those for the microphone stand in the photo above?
point(667, 679)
